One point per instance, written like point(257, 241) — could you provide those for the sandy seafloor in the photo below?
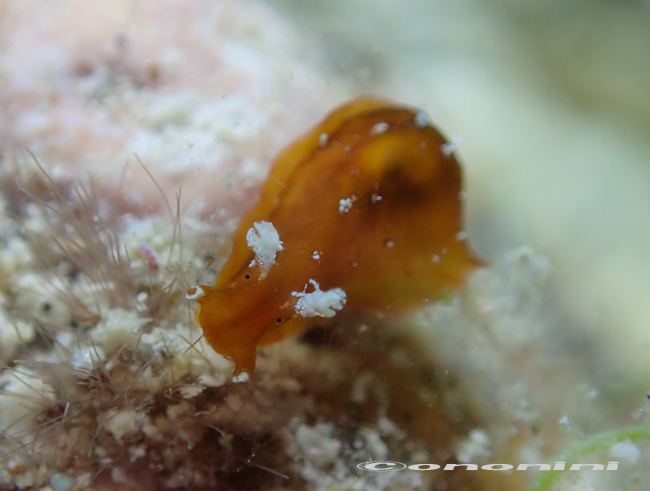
point(548, 106)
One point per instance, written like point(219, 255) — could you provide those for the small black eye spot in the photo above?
point(247, 276)
point(279, 320)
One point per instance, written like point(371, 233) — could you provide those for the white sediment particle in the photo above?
point(345, 204)
point(119, 422)
point(16, 256)
point(25, 481)
point(242, 377)
point(363, 386)
point(323, 463)
point(22, 397)
point(171, 109)
point(388, 427)
point(41, 297)
point(190, 391)
point(626, 451)
point(118, 328)
point(318, 444)
point(565, 423)
point(150, 242)
point(82, 481)
point(136, 453)
point(118, 475)
point(87, 357)
point(171, 344)
point(65, 339)
point(87, 292)
point(13, 332)
point(251, 170)
point(474, 447)
point(35, 222)
point(264, 240)
point(151, 430)
point(379, 128)
point(319, 303)
point(374, 443)
point(61, 482)
point(315, 256)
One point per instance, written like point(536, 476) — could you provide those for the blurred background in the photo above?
point(549, 104)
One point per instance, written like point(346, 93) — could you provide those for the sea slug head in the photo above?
point(235, 320)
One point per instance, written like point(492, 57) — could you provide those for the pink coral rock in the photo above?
point(204, 93)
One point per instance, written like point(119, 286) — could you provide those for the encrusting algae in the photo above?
point(363, 211)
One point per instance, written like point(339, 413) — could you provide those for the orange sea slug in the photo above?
point(364, 211)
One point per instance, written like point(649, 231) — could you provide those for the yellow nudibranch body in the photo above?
point(364, 211)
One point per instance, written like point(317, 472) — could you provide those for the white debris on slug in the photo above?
point(449, 147)
point(323, 138)
point(345, 204)
point(198, 293)
point(421, 120)
point(379, 128)
point(265, 241)
point(319, 303)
